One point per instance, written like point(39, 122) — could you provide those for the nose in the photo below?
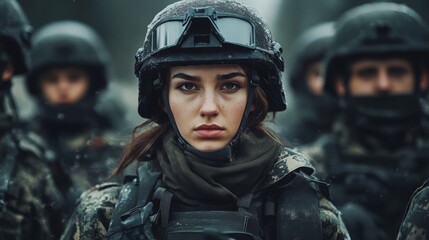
point(209, 106)
point(62, 83)
point(383, 82)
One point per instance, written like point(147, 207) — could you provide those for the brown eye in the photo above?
point(231, 86)
point(397, 71)
point(73, 78)
point(51, 80)
point(187, 87)
point(367, 72)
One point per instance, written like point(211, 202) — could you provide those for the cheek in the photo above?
point(360, 87)
point(235, 110)
point(404, 86)
point(49, 91)
point(181, 108)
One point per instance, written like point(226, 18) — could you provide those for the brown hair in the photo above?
point(144, 140)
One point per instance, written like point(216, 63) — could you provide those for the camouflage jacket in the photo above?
point(94, 212)
point(80, 160)
point(415, 225)
point(377, 179)
point(32, 201)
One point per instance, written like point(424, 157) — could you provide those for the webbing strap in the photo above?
point(165, 198)
point(298, 211)
point(8, 152)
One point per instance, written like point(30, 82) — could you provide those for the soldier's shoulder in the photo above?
point(289, 160)
point(97, 203)
point(332, 223)
point(413, 226)
point(93, 212)
point(101, 195)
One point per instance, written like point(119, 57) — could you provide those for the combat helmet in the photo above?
point(207, 32)
point(377, 28)
point(68, 43)
point(312, 45)
point(15, 34)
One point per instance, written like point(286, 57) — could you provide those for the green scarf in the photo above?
point(195, 181)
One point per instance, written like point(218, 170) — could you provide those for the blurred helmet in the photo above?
point(312, 46)
point(376, 29)
point(193, 32)
point(68, 43)
point(15, 32)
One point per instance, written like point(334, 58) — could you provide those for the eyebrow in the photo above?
point(185, 76)
point(220, 77)
point(231, 75)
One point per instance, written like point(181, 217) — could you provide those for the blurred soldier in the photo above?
point(377, 154)
point(29, 200)
point(306, 81)
point(68, 72)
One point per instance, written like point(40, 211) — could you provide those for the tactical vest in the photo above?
point(287, 210)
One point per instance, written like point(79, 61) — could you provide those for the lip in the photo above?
point(209, 130)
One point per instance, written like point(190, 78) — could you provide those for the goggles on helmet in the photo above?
point(206, 28)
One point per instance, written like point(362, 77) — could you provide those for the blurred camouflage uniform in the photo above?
point(93, 214)
point(29, 199)
point(415, 225)
point(84, 144)
point(33, 202)
point(369, 178)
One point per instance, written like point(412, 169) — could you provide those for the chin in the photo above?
point(210, 146)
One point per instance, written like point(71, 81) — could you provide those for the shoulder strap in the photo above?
point(8, 153)
point(132, 199)
point(298, 210)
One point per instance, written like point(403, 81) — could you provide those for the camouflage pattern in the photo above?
point(82, 160)
point(32, 200)
point(415, 225)
point(94, 211)
point(368, 174)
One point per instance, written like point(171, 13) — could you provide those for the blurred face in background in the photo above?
point(314, 78)
point(371, 77)
point(64, 85)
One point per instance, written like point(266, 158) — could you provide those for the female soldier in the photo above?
point(209, 72)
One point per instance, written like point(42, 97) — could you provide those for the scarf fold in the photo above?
point(195, 181)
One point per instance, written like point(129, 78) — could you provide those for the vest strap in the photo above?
point(298, 210)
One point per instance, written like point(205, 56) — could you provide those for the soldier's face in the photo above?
point(314, 78)
point(208, 102)
point(64, 85)
point(371, 77)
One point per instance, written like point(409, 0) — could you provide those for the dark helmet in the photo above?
point(312, 45)
point(68, 43)
point(15, 32)
point(374, 29)
point(207, 32)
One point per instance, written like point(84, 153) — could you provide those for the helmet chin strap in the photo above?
point(223, 155)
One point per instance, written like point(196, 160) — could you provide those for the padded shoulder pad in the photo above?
point(289, 161)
